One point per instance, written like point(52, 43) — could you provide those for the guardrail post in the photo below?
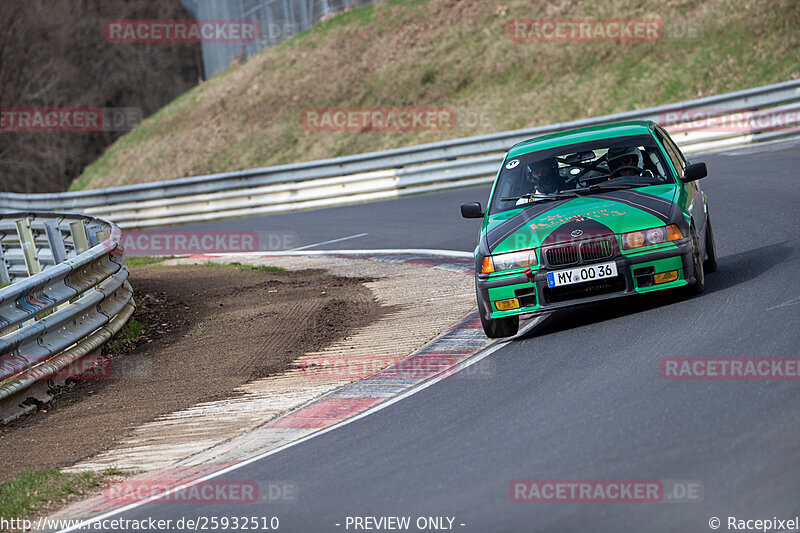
point(80, 242)
point(79, 239)
point(5, 278)
point(92, 231)
point(56, 240)
point(28, 246)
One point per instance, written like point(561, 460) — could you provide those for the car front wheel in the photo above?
point(710, 264)
point(496, 328)
point(699, 284)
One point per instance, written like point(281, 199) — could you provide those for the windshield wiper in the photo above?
point(606, 185)
point(555, 196)
point(602, 185)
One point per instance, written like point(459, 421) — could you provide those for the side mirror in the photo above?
point(471, 210)
point(694, 172)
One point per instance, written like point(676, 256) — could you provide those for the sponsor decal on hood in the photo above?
point(593, 215)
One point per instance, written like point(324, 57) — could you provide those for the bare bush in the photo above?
point(53, 54)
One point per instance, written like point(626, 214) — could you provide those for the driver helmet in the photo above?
point(628, 156)
point(544, 175)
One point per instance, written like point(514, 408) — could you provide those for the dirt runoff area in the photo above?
point(207, 330)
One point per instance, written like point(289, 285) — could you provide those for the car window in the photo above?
point(675, 155)
point(544, 175)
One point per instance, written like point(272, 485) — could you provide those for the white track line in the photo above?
point(422, 386)
point(328, 242)
point(385, 251)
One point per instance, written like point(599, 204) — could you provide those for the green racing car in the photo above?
point(589, 214)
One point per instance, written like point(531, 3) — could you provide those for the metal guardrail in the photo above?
point(384, 174)
point(65, 293)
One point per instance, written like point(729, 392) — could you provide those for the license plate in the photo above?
point(581, 274)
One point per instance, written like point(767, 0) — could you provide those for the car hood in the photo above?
point(596, 215)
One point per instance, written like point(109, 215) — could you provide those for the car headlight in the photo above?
point(509, 261)
point(649, 237)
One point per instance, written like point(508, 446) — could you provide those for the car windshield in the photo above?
point(579, 169)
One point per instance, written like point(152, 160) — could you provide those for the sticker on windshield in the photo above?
point(511, 164)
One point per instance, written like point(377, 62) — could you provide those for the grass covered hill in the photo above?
point(458, 55)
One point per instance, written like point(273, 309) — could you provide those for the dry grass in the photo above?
point(455, 54)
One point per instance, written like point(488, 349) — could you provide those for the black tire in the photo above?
point(497, 328)
point(710, 264)
point(699, 284)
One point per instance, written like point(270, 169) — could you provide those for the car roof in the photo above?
point(578, 135)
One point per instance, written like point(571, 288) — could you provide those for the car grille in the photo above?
point(583, 290)
point(589, 251)
point(563, 255)
point(597, 250)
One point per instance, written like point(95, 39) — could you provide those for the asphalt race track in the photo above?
point(420, 221)
point(578, 396)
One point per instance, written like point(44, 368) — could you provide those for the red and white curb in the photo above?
point(438, 357)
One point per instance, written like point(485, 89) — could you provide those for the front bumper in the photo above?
point(635, 276)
